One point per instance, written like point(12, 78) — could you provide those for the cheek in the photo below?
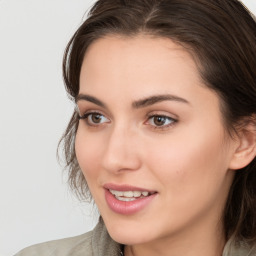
point(190, 172)
point(88, 153)
point(187, 164)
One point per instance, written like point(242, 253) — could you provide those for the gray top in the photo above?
point(94, 243)
point(98, 243)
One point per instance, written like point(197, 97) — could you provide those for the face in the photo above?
point(151, 141)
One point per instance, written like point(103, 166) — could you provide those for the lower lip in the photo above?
point(127, 208)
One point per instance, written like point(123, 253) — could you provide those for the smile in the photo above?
point(127, 200)
point(128, 196)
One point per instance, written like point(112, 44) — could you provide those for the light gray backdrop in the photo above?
point(35, 203)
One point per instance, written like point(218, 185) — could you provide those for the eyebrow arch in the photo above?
point(90, 99)
point(156, 99)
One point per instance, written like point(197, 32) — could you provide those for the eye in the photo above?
point(160, 121)
point(94, 118)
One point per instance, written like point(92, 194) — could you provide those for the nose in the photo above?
point(122, 151)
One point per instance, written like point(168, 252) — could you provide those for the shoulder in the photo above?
point(78, 245)
point(94, 243)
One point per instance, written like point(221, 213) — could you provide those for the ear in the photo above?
point(245, 150)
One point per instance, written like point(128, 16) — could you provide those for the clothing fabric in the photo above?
point(94, 243)
point(98, 243)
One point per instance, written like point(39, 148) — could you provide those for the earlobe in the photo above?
point(245, 150)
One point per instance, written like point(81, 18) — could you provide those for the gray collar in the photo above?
point(102, 243)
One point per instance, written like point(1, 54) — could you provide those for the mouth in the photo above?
point(130, 195)
point(125, 199)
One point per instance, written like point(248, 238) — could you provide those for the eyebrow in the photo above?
point(148, 101)
point(90, 99)
point(156, 99)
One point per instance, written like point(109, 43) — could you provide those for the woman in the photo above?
point(163, 136)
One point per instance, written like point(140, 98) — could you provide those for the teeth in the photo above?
point(128, 195)
point(137, 193)
point(117, 193)
point(145, 193)
point(126, 199)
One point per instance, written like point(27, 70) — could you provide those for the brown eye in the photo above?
point(96, 118)
point(159, 120)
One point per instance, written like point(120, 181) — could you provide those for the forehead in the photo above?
point(140, 60)
point(136, 49)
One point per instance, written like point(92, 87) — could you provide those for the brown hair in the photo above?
point(221, 36)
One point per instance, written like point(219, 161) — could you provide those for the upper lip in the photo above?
point(125, 187)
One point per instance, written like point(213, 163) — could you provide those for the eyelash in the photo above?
point(161, 127)
point(86, 116)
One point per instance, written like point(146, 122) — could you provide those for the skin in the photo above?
point(186, 161)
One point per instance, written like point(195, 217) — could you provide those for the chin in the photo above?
point(129, 239)
point(129, 233)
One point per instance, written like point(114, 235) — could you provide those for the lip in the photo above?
point(124, 207)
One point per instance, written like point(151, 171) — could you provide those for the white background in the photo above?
point(35, 204)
